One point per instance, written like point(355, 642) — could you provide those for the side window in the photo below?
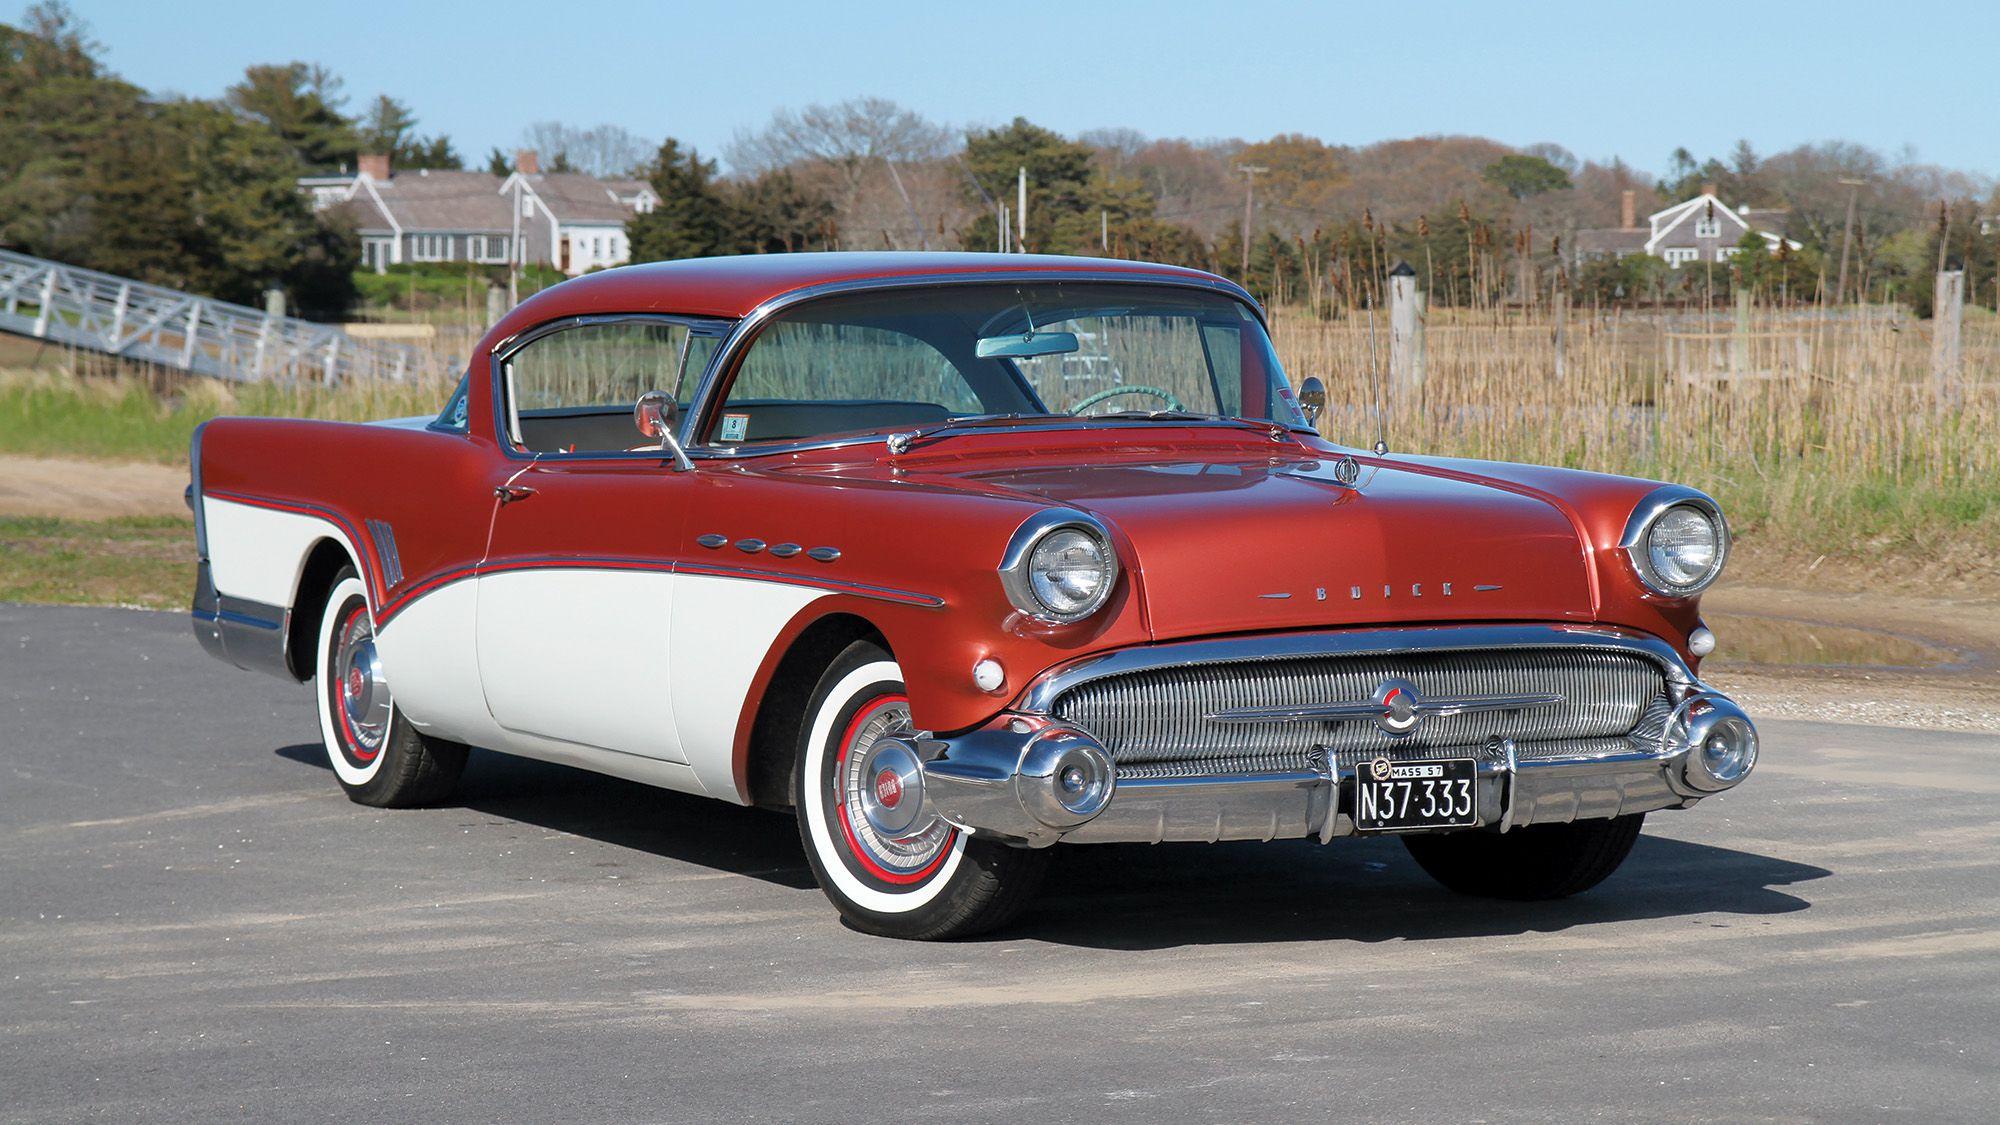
point(805, 379)
point(573, 391)
point(452, 417)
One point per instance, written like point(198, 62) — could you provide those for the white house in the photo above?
point(1702, 229)
point(573, 222)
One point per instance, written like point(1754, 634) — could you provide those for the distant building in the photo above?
point(570, 221)
point(1702, 229)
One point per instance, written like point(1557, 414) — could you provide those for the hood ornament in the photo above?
point(1346, 470)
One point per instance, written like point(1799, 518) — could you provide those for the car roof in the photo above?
point(734, 286)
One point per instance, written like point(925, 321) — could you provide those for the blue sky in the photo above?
point(1601, 78)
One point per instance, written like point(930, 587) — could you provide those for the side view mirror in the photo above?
point(1312, 399)
point(654, 415)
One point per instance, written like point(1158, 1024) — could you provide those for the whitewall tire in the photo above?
point(379, 758)
point(889, 864)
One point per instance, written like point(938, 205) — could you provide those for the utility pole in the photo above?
point(1847, 239)
point(1250, 174)
point(1021, 233)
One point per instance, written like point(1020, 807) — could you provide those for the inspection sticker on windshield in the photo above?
point(735, 426)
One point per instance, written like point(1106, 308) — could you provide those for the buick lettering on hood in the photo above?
point(961, 557)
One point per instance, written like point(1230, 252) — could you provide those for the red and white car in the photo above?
point(962, 556)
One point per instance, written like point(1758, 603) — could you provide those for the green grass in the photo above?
point(53, 414)
point(136, 561)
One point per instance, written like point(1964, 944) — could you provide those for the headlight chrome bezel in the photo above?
point(1018, 581)
point(1656, 505)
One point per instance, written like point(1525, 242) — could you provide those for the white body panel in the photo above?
point(580, 656)
point(257, 554)
point(430, 663)
point(723, 628)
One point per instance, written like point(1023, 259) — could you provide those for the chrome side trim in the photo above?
point(251, 635)
point(1040, 695)
point(385, 552)
point(1652, 507)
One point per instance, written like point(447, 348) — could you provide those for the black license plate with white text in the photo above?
point(1397, 796)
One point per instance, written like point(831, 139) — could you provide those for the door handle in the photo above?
point(508, 493)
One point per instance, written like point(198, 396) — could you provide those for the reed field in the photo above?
point(1822, 432)
point(1822, 435)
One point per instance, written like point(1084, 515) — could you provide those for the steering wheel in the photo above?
point(1132, 389)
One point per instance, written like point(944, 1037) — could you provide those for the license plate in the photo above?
point(1391, 796)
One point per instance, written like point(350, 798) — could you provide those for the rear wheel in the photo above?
point(378, 756)
point(1541, 861)
point(888, 864)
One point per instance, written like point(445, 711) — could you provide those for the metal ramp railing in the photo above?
point(118, 316)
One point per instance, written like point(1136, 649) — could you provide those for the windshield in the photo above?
point(893, 359)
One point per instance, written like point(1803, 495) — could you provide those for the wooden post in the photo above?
point(1739, 347)
point(1560, 304)
point(1406, 331)
point(496, 306)
point(1947, 326)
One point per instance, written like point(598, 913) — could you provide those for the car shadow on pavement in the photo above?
point(1138, 896)
point(1134, 896)
point(756, 843)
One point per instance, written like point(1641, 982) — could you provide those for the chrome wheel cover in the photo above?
point(878, 795)
point(360, 693)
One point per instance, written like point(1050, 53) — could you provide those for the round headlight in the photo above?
point(1677, 542)
point(1683, 547)
point(1059, 567)
point(1069, 572)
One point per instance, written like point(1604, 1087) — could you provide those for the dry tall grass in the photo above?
point(1823, 429)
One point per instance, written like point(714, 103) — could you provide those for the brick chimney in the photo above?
point(375, 166)
point(1628, 209)
point(526, 162)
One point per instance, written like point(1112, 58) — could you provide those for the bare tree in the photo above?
point(872, 157)
point(603, 150)
point(852, 137)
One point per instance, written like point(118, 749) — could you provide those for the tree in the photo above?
point(1060, 176)
point(693, 218)
point(774, 213)
point(1521, 175)
point(498, 163)
point(300, 102)
point(602, 150)
point(190, 194)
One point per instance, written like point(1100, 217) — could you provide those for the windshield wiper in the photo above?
point(903, 441)
point(1276, 431)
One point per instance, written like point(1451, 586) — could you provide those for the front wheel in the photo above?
point(378, 756)
point(891, 866)
point(1541, 861)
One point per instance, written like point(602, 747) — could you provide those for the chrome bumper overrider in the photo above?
point(1032, 779)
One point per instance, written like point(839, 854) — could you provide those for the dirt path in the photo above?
point(1895, 659)
point(1890, 658)
point(89, 490)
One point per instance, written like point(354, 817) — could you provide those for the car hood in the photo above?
point(1280, 543)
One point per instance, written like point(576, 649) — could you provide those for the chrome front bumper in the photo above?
point(1031, 779)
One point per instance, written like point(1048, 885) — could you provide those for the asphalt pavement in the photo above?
point(196, 924)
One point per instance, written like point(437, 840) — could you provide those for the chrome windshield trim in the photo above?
point(725, 353)
point(1040, 695)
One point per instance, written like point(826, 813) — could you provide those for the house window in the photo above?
point(1677, 255)
point(1724, 253)
point(1708, 228)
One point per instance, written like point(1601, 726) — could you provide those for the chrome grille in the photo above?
point(1160, 714)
